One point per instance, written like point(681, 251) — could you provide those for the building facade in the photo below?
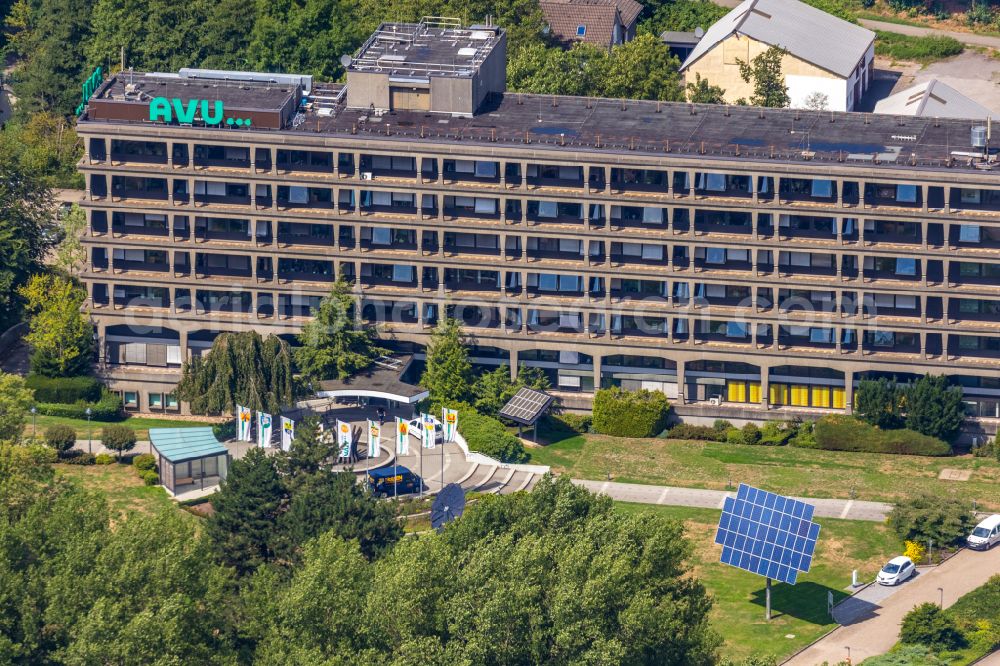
point(734, 258)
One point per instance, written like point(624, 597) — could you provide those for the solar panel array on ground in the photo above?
point(526, 406)
point(767, 534)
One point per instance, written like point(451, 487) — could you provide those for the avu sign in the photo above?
point(89, 87)
point(167, 110)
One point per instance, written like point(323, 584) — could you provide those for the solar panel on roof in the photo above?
point(767, 534)
point(526, 406)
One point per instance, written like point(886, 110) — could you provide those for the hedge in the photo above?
point(64, 390)
point(623, 413)
point(697, 433)
point(845, 433)
point(107, 409)
point(489, 436)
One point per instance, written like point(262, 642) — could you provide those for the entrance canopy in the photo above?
point(383, 379)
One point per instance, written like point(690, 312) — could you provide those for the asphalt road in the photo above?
point(877, 630)
point(713, 499)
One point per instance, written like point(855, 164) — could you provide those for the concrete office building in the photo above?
point(739, 259)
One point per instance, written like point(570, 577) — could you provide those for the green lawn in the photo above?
point(124, 489)
point(799, 611)
point(141, 424)
point(785, 469)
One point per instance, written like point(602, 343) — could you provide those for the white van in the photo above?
point(986, 533)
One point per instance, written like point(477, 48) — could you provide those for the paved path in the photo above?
point(876, 631)
point(917, 31)
point(713, 499)
point(991, 660)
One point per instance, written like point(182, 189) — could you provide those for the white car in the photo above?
point(986, 534)
point(416, 430)
point(896, 571)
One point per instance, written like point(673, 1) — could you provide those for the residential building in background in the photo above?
point(603, 23)
point(824, 55)
point(739, 259)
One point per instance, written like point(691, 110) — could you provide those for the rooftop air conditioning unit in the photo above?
point(366, 175)
point(715, 402)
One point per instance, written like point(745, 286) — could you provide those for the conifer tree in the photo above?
point(448, 375)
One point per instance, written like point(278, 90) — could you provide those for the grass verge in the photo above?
point(124, 489)
point(799, 611)
point(916, 49)
point(783, 469)
point(141, 425)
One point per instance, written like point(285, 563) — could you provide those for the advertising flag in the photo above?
point(427, 436)
point(264, 428)
point(402, 437)
point(243, 423)
point(287, 433)
point(450, 419)
point(374, 438)
point(344, 438)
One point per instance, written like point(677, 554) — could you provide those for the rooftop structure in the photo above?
point(435, 65)
point(603, 23)
point(932, 99)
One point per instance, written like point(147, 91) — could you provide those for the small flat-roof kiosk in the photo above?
point(190, 457)
point(526, 407)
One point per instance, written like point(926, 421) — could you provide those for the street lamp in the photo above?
point(941, 598)
point(90, 432)
point(848, 655)
point(34, 434)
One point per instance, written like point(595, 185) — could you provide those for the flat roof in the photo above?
point(248, 95)
point(434, 47)
point(183, 444)
point(560, 123)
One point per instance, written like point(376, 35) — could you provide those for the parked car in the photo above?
point(986, 534)
point(896, 571)
point(416, 429)
point(390, 481)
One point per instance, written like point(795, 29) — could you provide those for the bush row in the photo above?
point(622, 413)
point(845, 433)
point(489, 436)
point(64, 390)
point(108, 408)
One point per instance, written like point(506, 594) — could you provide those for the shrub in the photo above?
point(696, 433)
point(925, 517)
point(225, 431)
point(845, 433)
point(722, 425)
point(60, 437)
point(915, 551)
point(108, 408)
point(75, 457)
point(778, 433)
point(150, 477)
point(749, 434)
point(489, 436)
point(64, 390)
point(805, 437)
point(104, 459)
point(144, 462)
point(118, 438)
point(919, 49)
point(622, 413)
point(928, 625)
point(578, 423)
point(934, 407)
point(987, 450)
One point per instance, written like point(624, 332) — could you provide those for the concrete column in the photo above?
point(513, 365)
point(681, 379)
point(440, 170)
point(861, 195)
point(597, 370)
point(947, 200)
point(840, 192)
point(441, 243)
point(691, 178)
point(185, 352)
point(765, 386)
point(944, 346)
point(190, 148)
point(524, 178)
point(946, 309)
point(923, 200)
point(607, 180)
point(849, 391)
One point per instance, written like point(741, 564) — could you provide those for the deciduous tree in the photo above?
point(926, 517)
point(492, 390)
point(15, 401)
point(60, 333)
point(240, 369)
point(764, 72)
point(702, 92)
